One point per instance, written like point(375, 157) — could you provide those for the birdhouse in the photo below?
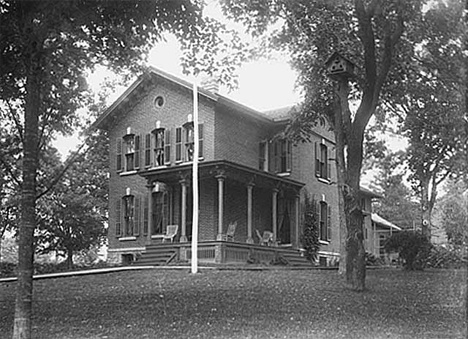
point(339, 67)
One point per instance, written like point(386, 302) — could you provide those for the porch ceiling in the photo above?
point(213, 169)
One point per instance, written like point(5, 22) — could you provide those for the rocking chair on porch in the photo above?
point(171, 232)
point(266, 239)
point(230, 231)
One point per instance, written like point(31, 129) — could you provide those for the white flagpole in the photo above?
point(195, 181)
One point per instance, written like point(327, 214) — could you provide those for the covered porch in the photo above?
point(256, 201)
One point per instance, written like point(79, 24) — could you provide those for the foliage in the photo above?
point(310, 237)
point(72, 217)
point(443, 257)
point(371, 260)
point(271, 303)
point(397, 205)
point(413, 247)
point(371, 35)
point(454, 209)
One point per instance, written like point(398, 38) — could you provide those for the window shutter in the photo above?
point(137, 152)
point(118, 216)
point(145, 215)
point(118, 166)
point(200, 140)
point(277, 150)
point(329, 162)
point(167, 146)
point(148, 150)
point(288, 156)
point(178, 144)
point(136, 231)
point(317, 160)
point(318, 208)
point(329, 234)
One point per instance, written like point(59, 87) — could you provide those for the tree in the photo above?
point(46, 47)
point(370, 33)
point(398, 204)
point(431, 105)
point(454, 210)
point(72, 217)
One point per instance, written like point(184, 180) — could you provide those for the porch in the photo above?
point(220, 252)
point(255, 200)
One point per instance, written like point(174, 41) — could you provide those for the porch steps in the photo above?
point(295, 258)
point(156, 255)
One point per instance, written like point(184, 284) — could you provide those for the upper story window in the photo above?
point(128, 152)
point(282, 156)
point(263, 156)
point(185, 142)
point(322, 166)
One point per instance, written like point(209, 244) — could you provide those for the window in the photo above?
point(158, 150)
point(322, 168)
point(131, 152)
point(189, 135)
point(160, 211)
point(282, 156)
point(200, 140)
point(128, 215)
point(324, 221)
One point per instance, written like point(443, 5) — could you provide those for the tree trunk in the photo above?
point(355, 260)
point(24, 293)
point(425, 209)
point(69, 259)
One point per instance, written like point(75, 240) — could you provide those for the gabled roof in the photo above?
point(383, 222)
point(153, 73)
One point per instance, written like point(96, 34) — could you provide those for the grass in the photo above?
point(245, 304)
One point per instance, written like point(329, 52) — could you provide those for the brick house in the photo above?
point(247, 175)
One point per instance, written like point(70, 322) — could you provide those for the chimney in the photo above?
point(210, 84)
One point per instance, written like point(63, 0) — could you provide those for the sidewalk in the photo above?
point(94, 271)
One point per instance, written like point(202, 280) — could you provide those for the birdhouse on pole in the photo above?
point(339, 67)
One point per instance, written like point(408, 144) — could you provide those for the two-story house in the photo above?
point(247, 175)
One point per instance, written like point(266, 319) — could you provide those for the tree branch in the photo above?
point(13, 116)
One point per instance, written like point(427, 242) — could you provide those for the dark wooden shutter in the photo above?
point(178, 144)
point(317, 159)
point(167, 146)
point(136, 229)
point(200, 140)
point(118, 216)
point(137, 152)
point(148, 150)
point(288, 156)
point(329, 163)
point(329, 231)
point(118, 153)
point(145, 215)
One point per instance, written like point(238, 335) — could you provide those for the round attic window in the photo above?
point(159, 101)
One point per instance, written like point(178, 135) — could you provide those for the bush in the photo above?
point(413, 247)
point(441, 257)
point(7, 269)
point(310, 237)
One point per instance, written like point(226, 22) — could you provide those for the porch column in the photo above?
point(274, 215)
point(249, 213)
point(220, 206)
point(183, 210)
point(150, 211)
point(297, 218)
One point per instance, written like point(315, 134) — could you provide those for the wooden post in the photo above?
point(274, 211)
point(195, 181)
point(249, 213)
point(150, 212)
point(183, 212)
point(220, 206)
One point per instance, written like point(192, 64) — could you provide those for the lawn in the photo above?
point(245, 304)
